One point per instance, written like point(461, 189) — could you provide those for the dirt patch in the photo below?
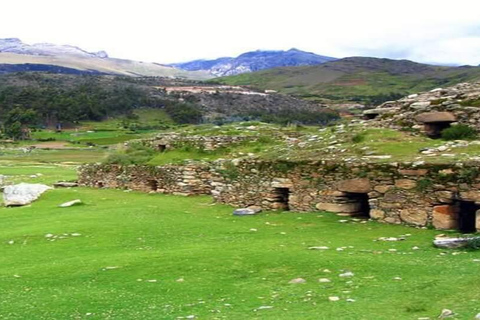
point(52, 145)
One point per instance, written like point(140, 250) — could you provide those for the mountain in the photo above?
point(18, 56)
point(356, 79)
point(254, 61)
point(15, 45)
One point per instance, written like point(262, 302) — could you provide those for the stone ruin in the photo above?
point(444, 196)
point(431, 112)
point(170, 141)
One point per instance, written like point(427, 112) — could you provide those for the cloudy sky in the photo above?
point(445, 32)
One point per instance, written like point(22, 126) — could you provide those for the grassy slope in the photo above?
point(109, 65)
point(228, 270)
point(359, 78)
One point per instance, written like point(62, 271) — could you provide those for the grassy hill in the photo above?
point(359, 79)
point(101, 65)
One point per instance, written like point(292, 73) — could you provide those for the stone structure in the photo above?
point(170, 141)
point(189, 179)
point(443, 196)
point(432, 111)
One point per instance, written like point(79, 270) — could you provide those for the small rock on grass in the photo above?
point(297, 281)
point(446, 313)
point(324, 280)
point(318, 248)
point(247, 211)
point(333, 298)
point(347, 274)
point(71, 203)
point(65, 184)
point(264, 308)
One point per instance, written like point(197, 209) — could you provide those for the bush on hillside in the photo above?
point(459, 132)
point(136, 153)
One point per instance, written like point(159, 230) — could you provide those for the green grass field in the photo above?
point(130, 255)
point(142, 256)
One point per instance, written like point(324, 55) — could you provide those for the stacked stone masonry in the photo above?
point(445, 196)
point(174, 141)
point(432, 111)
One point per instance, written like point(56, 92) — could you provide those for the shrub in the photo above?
point(473, 243)
point(229, 171)
point(136, 153)
point(424, 184)
point(459, 132)
point(358, 138)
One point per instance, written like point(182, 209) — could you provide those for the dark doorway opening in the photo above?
point(434, 130)
point(371, 116)
point(282, 197)
point(360, 203)
point(100, 184)
point(152, 185)
point(161, 147)
point(467, 216)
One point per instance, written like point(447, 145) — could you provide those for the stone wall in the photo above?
point(445, 196)
point(190, 179)
point(415, 194)
point(173, 141)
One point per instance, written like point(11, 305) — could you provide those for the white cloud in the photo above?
point(168, 31)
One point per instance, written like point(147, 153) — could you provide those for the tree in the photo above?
point(16, 123)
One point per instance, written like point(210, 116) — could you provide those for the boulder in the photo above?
point(361, 185)
point(23, 193)
point(247, 211)
point(450, 243)
point(434, 117)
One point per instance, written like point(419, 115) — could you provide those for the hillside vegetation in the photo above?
point(358, 79)
point(44, 100)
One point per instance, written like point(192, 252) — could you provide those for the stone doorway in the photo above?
point(161, 147)
point(152, 185)
point(434, 130)
point(435, 122)
point(467, 212)
point(359, 203)
point(281, 198)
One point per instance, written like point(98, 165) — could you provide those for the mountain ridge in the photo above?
point(16, 55)
point(254, 61)
point(355, 79)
